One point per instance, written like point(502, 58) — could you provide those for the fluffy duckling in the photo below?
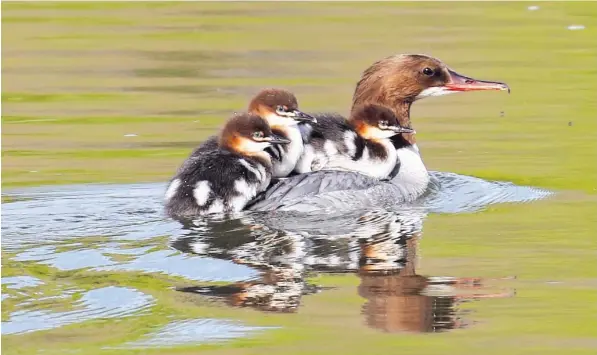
point(362, 143)
point(280, 109)
point(224, 179)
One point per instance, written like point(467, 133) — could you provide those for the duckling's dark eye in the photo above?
point(280, 109)
point(258, 135)
point(428, 71)
point(383, 124)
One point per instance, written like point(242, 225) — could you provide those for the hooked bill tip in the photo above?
point(505, 87)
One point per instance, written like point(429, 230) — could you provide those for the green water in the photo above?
point(80, 78)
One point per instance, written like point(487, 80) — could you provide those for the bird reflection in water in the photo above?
point(380, 247)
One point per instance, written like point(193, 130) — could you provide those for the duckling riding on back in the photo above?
point(227, 178)
point(280, 109)
point(361, 143)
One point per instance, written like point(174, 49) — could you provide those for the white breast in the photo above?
point(294, 150)
point(303, 164)
point(413, 174)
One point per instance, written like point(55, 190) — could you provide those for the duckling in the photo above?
point(280, 109)
point(396, 82)
point(224, 179)
point(362, 143)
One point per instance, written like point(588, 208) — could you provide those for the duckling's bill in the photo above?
point(300, 116)
point(275, 139)
point(400, 129)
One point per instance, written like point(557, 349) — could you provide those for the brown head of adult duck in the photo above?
point(399, 80)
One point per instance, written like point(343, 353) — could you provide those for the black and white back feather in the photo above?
point(215, 181)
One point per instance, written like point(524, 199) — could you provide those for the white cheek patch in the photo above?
point(201, 192)
point(377, 133)
point(277, 120)
point(172, 189)
point(372, 132)
point(251, 146)
point(434, 91)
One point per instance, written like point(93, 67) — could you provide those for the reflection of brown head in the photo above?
point(393, 290)
point(394, 304)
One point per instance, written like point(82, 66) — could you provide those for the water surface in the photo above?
point(120, 92)
point(258, 260)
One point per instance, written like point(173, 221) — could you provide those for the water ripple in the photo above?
point(19, 282)
point(195, 331)
point(111, 228)
point(107, 302)
point(135, 211)
point(193, 268)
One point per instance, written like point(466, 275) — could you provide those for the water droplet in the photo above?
point(576, 27)
point(533, 8)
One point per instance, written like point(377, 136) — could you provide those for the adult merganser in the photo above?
point(361, 144)
point(225, 179)
point(280, 109)
point(395, 82)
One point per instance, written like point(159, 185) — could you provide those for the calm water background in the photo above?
point(119, 93)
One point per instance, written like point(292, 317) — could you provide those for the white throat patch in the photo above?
point(250, 146)
point(291, 152)
point(277, 120)
point(434, 91)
